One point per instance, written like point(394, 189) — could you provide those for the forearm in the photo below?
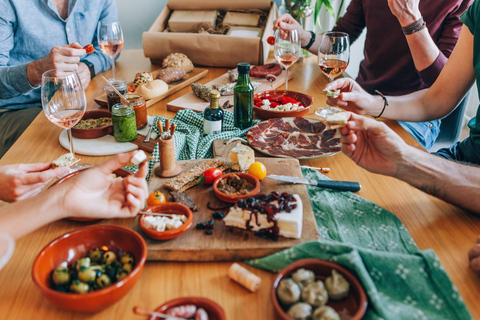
point(14, 81)
point(23, 217)
point(456, 183)
point(423, 49)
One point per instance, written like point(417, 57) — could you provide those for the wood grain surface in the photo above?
point(433, 224)
point(227, 244)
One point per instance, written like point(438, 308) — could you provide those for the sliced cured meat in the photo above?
point(330, 143)
point(328, 134)
point(303, 124)
point(318, 127)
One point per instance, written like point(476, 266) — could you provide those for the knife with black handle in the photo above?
point(330, 184)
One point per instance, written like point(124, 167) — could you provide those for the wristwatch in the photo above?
point(91, 67)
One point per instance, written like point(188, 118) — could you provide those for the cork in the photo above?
point(244, 277)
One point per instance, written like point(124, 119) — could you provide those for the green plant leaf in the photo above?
point(342, 2)
point(318, 6)
point(329, 7)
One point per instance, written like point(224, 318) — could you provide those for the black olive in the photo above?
point(241, 203)
point(250, 199)
point(200, 225)
point(218, 215)
point(209, 224)
point(209, 232)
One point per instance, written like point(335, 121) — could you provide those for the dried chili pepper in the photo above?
point(89, 48)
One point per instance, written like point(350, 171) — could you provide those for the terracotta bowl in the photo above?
point(119, 172)
point(277, 94)
point(355, 305)
point(172, 208)
point(232, 199)
point(75, 245)
point(95, 132)
point(215, 312)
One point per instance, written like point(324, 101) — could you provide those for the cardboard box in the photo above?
point(208, 49)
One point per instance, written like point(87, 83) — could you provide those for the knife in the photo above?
point(331, 184)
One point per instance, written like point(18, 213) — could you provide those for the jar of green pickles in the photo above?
point(124, 123)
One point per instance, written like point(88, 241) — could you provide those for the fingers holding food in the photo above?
point(172, 74)
point(89, 48)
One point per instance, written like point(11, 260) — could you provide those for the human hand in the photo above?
point(474, 256)
point(372, 145)
point(61, 59)
point(406, 11)
point(353, 97)
point(21, 181)
point(286, 22)
point(96, 194)
point(84, 74)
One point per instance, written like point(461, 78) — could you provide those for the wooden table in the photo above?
point(433, 223)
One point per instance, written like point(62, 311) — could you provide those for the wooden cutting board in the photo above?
point(229, 244)
point(191, 77)
point(190, 101)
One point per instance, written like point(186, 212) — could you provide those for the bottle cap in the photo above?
point(243, 67)
point(214, 94)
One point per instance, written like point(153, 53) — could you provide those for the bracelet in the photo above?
point(312, 40)
point(414, 27)
point(385, 103)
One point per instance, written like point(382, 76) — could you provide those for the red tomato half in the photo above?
point(210, 175)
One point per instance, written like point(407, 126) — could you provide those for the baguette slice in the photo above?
point(65, 160)
point(336, 120)
point(190, 178)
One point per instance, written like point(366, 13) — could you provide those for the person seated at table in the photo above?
point(402, 54)
point(39, 36)
point(474, 256)
point(93, 194)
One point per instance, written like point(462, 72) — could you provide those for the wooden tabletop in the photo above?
point(433, 223)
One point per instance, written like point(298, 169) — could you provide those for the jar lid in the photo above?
point(117, 82)
point(243, 67)
point(122, 109)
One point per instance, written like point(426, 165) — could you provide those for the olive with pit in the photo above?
point(126, 258)
point(109, 257)
point(61, 276)
point(87, 275)
point(103, 281)
point(78, 286)
point(96, 255)
point(83, 262)
point(121, 274)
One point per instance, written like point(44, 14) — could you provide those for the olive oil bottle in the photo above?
point(213, 115)
point(243, 98)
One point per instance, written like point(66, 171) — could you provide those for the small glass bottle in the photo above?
point(112, 96)
point(140, 107)
point(213, 115)
point(243, 98)
point(124, 123)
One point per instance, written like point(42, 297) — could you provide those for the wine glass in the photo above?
point(286, 49)
point(63, 100)
point(333, 58)
point(110, 39)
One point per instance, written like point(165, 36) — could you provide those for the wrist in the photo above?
point(409, 17)
point(34, 74)
point(305, 38)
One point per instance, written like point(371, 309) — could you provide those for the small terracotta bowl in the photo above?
point(171, 208)
point(355, 305)
point(119, 173)
point(75, 245)
point(215, 312)
point(95, 132)
point(277, 94)
point(230, 198)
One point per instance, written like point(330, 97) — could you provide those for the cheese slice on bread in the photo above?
point(67, 159)
point(336, 120)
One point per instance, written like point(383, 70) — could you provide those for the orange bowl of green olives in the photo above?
point(91, 268)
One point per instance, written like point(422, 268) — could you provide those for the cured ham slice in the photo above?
point(294, 137)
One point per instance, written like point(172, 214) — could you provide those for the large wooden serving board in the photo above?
point(190, 101)
point(229, 244)
point(191, 77)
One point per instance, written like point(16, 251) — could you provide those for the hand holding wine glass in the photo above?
point(333, 58)
point(63, 100)
point(286, 49)
point(110, 40)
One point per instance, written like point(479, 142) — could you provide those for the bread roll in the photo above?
point(178, 60)
point(152, 89)
point(142, 77)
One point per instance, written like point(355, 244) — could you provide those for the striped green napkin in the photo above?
point(401, 281)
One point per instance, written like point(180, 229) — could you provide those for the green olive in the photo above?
point(87, 275)
point(126, 258)
point(78, 286)
point(103, 281)
point(109, 257)
point(83, 263)
point(96, 255)
point(121, 274)
point(61, 276)
point(127, 267)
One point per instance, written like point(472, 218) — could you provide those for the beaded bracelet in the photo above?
point(385, 103)
point(312, 40)
point(414, 27)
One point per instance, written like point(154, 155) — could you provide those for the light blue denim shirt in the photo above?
point(29, 29)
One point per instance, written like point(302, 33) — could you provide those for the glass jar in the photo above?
point(139, 105)
point(124, 123)
point(112, 96)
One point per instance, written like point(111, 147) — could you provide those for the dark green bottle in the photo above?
point(243, 98)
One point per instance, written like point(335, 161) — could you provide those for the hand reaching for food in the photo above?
point(286, 22)
point(21, 181)
point(351, 96)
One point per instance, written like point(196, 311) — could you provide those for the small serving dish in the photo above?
point(352, 307)
point(119, 173)
point(170, 208)
point(305, 99)
point(75, 245)
point(94, 132)
point(233, 198)
point(214, 311)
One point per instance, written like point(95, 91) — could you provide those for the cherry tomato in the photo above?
point(258, 170)
point(156, 198)
point(271, 40)
point(209, 175)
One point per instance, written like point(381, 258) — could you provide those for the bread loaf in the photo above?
point(178, 60)
point(152, 89)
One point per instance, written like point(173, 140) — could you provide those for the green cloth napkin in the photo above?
point(401, 281)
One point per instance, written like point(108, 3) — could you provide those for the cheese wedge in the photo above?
point(241, 157)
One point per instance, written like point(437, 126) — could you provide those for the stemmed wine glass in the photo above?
point(287, 49)
point(63, 100)
point(333, 58)
point(110, 39)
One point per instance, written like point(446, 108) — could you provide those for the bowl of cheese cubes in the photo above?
point(177, 220)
